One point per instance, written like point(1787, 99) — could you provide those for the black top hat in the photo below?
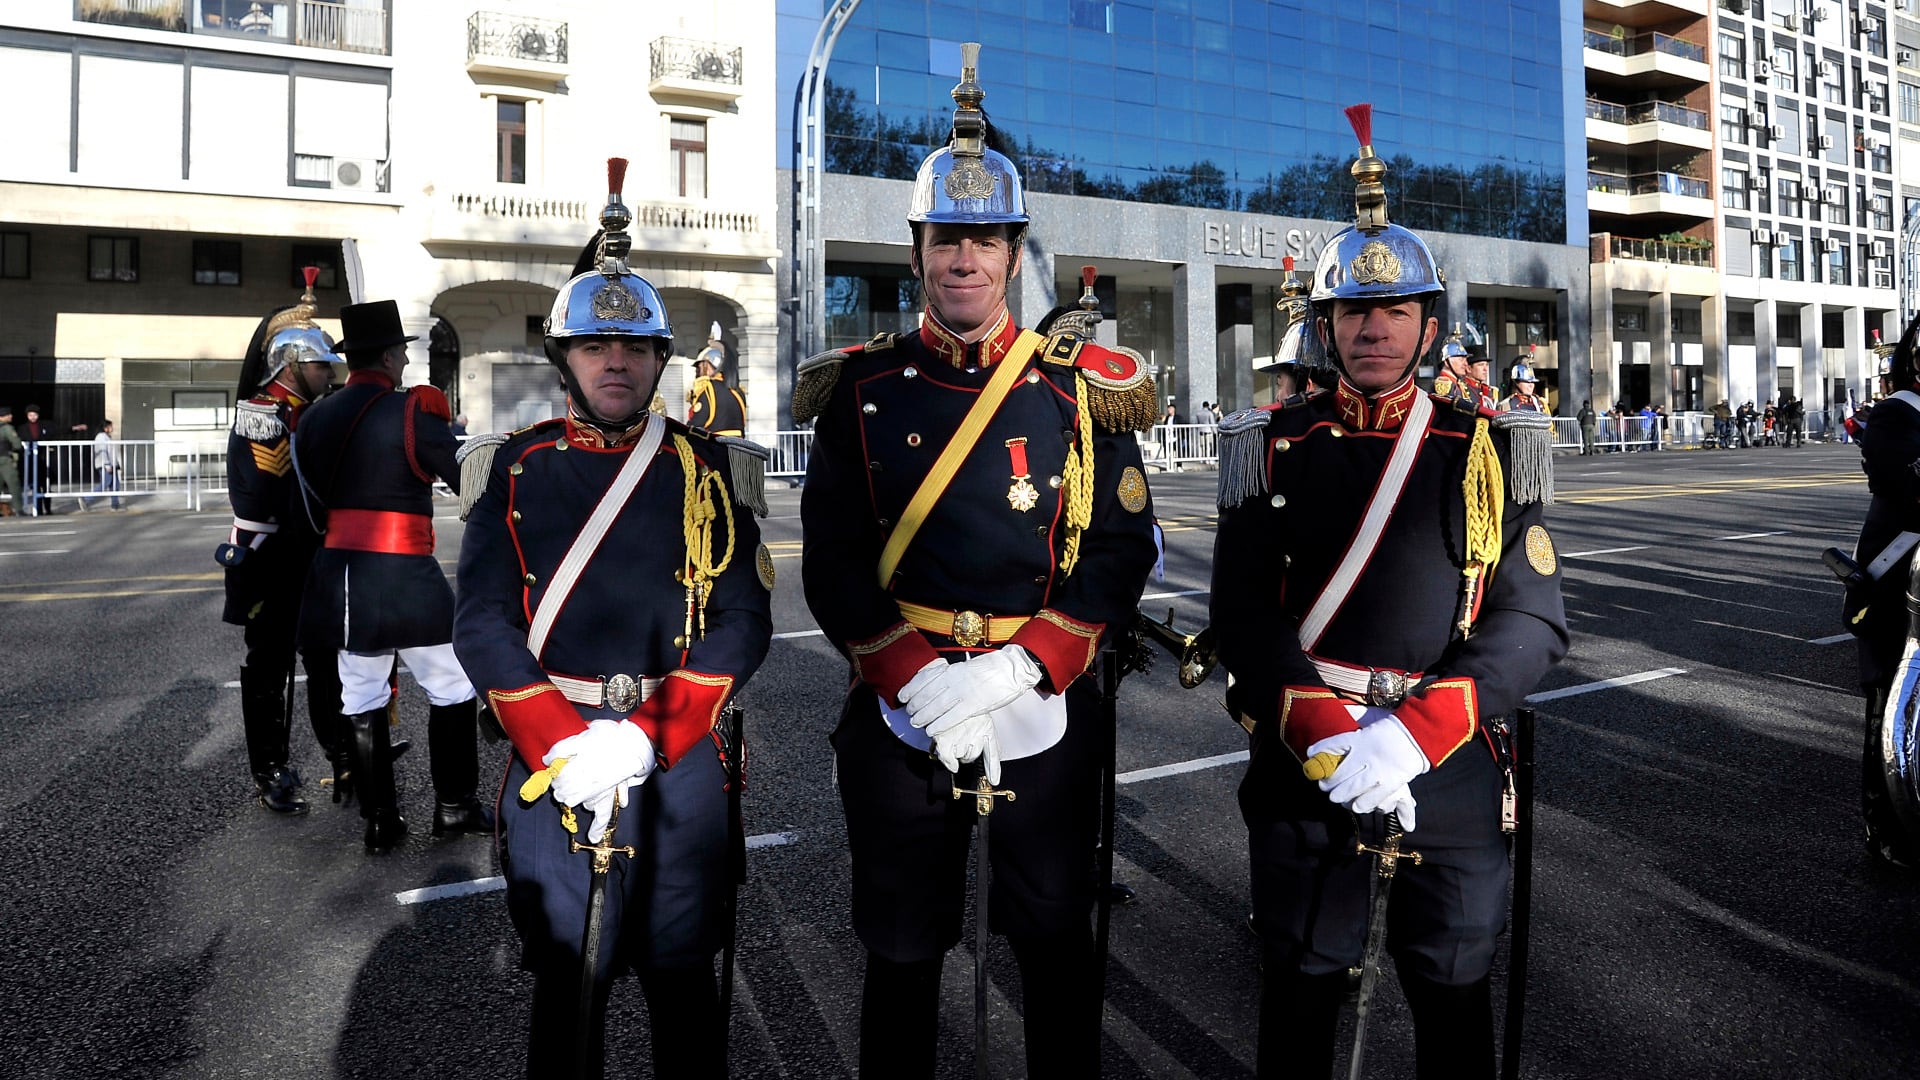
point(371, 326)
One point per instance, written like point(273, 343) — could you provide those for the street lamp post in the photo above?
point(809, 266)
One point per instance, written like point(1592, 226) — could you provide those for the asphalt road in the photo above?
point(1703, 907)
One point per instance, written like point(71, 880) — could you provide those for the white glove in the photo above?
point(608, 754)
point(1380, 760)
point(926, 680)
point(599, 809)
point(973, 688)
point(971, 739)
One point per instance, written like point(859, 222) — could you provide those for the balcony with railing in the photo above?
point(524, 217)
point(316, 24)
point(707, 70)
point(1647, 124)
point(1645, 58)
point(1608, 247)
point(516, 45)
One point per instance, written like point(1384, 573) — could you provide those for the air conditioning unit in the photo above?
point(1826, 69)
point(1870, 25)
point(356, 174)
point(1834, 196)
point(1757, 183)
point(1833, 243)
point(1905, 57)
point(1878, 248)
point(1826, 142)
point(1762, 69)
point(1738, 7)
point(1776, 132)
point(1763, 236)
point(1789, 22)
point(1818, 14)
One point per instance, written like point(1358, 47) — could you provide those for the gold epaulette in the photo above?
point(258, 421)
point(814, 379)
point(1121, 395)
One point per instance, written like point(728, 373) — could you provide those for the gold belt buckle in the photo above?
point(969, 628)
point(622, 692)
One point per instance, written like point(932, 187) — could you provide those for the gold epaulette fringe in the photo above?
point(813, 383)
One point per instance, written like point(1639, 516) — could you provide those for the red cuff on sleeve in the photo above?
point(1064, 647)
point(682, 712)
point(1309, 714)
point(1443, 718)
point(887, 662)
point(535, 717)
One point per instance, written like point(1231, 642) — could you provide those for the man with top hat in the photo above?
point(367, 458)
point(1876, 603)
point(712, 404)
point(1523, 399)
point(614, 598)
point(976, 526)
point(1383, 591)
point(289, 364)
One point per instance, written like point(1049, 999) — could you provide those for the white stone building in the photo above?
point(185, 157)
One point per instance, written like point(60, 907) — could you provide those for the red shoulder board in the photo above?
point(1107, 364)
point(433, 401)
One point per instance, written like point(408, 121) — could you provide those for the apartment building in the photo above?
point(185, 158)
point(1740, 195)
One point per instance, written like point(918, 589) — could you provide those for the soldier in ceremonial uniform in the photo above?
point(1876, 606)
point(1523, 399)
point(976, 524)
point(367, 458)
point(614, 596)
point(1456, 381)
point(288, 365)
point(712, 404)
point(1447, 613)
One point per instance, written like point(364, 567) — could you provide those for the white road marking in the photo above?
point(58, 551)
point(1748, 629)
point(1823, 686)
point(1834, 639)
point(1179, 767)
point(497, 884)
point(1754, 536)
point(799, 634)
point(1605, 684)
point(1171, 595)
point(1601, 551)
point(37, 534)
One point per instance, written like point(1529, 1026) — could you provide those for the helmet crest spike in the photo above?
point(614, 219)
point(1369, 192)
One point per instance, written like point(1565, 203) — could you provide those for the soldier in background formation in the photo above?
point(367, 458)
point(289, 364)
point(614, 597)
point(714, 405)
point(963, 469)
point(1456, 380)
point(1523, 399)
point(1391, 649)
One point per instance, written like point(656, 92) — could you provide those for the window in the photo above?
point(1629, 318)
point(216, 262)
point(1091, 15)
point(1789, 259)
point(1733, 55)
point(510, 129)
point(1787, 119)
point(1733, 188)
point(1789, 189)
point(1833, 85)
point(687, 159)
point(1880, 155)
point(113, 258)
point(1909, 103)
point(1763, 260)
point(324, 257)
point(1528, 323)
point(1838, 212)
point(1785, 64)
point(16, 250)
point(1880, 212)
point(1838, 256)
point(1740, 325)
point(1763, 194)
point(1733, 123)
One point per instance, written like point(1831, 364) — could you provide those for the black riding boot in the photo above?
point(1452, 1028)
point(899, 1019)
point(330, 729)
point(456, 771)
point(1887, 839)
point(1299, 1016)
point(1056, 991)
point(263, 713)
point(689, 1034)
point(373, 780)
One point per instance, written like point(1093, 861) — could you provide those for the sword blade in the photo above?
point(982, 870)
point(1522, 896)
point(1385, 863)
point(590, 976)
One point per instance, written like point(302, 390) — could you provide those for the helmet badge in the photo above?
point(1375, 265)
point(615, 301)
point(969, 180)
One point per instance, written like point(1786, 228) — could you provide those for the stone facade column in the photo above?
point(1659, 350)
point(1196, 358)
point(1032, 293)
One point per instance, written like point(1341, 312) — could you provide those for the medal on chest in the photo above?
point(1022, 496)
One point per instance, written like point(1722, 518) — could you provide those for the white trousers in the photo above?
point(363, 677)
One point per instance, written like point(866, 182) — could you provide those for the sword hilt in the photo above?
point(983, 795)
point(606, 849)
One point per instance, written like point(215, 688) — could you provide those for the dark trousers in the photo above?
point(270, 637)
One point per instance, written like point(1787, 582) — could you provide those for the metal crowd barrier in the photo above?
point(61, 474)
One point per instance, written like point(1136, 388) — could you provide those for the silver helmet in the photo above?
point(1455, 349)
point(293, 338)
point(1523, 372)
point(964, 182)
point(1298, 344)
point(1373, 259)
point(609, 300)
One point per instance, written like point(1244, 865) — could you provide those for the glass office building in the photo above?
point(1217, 128)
